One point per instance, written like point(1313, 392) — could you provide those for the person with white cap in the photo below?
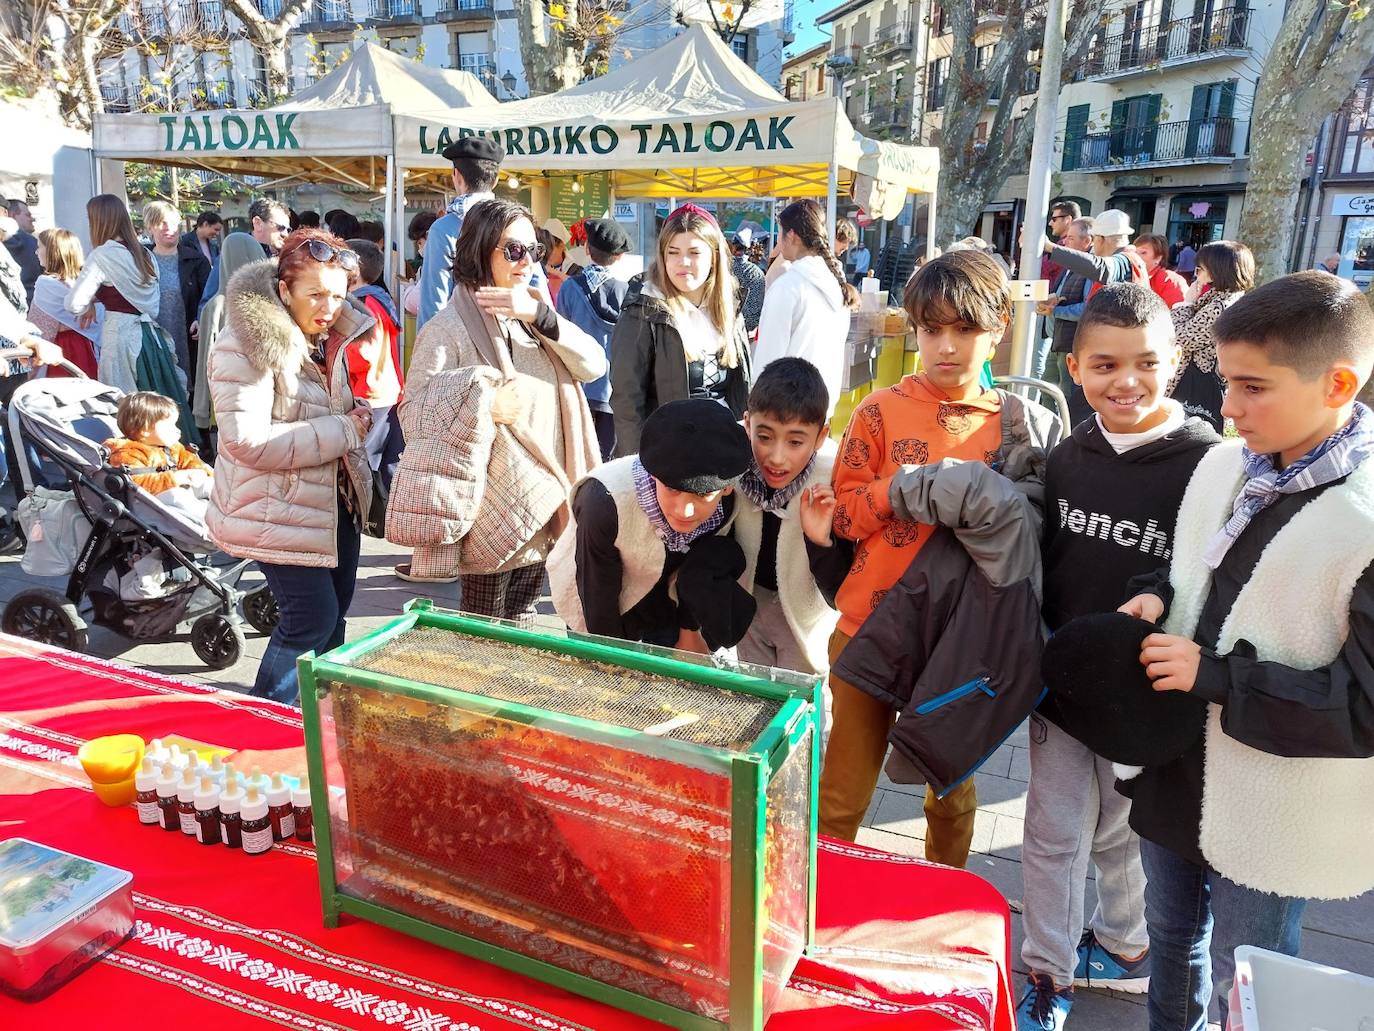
point(1113, 259)
point(554, 235)
point(748, 277)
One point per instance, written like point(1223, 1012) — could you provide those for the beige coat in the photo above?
point(480, 491)
point(282, 430)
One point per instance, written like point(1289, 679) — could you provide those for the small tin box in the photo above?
point(58, 913)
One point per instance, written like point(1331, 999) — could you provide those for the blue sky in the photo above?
point(804, 15)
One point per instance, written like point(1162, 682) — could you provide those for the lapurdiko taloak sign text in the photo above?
point(751, 135)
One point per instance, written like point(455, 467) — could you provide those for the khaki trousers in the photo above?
point(853, 759)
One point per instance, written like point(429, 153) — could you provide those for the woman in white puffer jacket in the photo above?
point(806, 310)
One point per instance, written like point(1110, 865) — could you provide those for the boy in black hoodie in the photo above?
point(1112, 492)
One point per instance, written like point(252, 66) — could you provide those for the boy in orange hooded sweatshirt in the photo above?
point(152, 453)
point(960, 306)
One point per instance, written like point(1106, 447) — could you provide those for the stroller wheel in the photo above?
point(260, 609)
point(46, 617)
point(217, 640)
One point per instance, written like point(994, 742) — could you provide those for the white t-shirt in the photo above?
point(1123, 442)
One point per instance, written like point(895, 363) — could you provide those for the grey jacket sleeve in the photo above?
point(993, 518)
point(1113, 269)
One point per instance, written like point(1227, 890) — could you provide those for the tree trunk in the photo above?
point(269, 38)
point(1267, 221)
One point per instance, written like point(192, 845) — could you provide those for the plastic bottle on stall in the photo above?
point(167, 797)
point(257, 825)
point(230, 818)
point(145, 788)
point(279, 809)
point(300, 803)
point(186, 800)
point(207, 812)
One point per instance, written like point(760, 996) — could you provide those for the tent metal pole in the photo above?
point(389, 226)
point(832, 188)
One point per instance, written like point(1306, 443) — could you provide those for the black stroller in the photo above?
point(130, 534)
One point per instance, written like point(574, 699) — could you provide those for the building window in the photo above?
point(1197, 219)
point(982, 55)
point(740, 45)
point(1354, 142)
point(820, 79)
point(1357, 249)
point(937, 73)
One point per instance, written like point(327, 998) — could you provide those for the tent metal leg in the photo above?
point(832, 187)
point(389, 246)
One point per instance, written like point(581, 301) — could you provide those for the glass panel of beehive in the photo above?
point(786, 870)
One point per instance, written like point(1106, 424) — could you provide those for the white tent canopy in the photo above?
point(337, 130)
point(687, 119)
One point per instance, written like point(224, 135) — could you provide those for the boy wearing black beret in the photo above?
point(592, 300)
point(636, 563)
point(1112, 491)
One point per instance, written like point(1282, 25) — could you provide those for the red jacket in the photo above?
point(1169, 285)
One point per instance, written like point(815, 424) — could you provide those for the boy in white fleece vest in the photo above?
point(1269, 601)
point(794, 565)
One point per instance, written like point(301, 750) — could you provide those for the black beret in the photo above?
point(1101, 695)
point(694, 445)
point(478, 148)
point(606, 236)
point(708, 588)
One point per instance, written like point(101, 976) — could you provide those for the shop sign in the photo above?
point(751, 135)
point(624, 211)
point(1353, 204)
point(230, 132)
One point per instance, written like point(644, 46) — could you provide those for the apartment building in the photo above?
point(877, 57)
point(807, 75)
point(200, 58)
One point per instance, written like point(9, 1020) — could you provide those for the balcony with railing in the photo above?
point(466, 11)
point(115, 99)
point(150, 21)
point(270, 8)
point(1220, 34)
point(892, 38)
point(889, 117)
point(204, 17)
point(1192, 142)
point(206, 94)
point(405, 12)
point(789, 29)
point(482, 66)
point(327, 16)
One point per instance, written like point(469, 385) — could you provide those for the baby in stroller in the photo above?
point(152, 454)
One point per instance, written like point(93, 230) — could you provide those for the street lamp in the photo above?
point(508, 81)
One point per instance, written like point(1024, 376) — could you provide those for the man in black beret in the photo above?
point(636, 521)
point(476, 167)
point(591, 299)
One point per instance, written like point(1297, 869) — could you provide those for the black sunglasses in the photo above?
point(514, 251)
point(325, 253)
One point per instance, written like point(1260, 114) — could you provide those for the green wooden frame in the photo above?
point(750, 771)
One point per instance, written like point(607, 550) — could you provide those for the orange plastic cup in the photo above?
point(111, 763)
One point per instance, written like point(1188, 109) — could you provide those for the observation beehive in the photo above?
point(615, 819)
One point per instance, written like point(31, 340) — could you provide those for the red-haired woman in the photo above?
point(292, 482)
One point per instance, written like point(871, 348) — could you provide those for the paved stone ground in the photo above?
point(1341, 934)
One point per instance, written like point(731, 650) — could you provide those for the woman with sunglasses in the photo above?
point(496, 425)
point(292, 484)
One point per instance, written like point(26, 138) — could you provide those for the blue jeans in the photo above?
point(313, 603)
point(1196, 918)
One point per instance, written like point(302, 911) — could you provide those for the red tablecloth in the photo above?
point(227, 940)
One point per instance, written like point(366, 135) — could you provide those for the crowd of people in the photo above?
point(657, 447)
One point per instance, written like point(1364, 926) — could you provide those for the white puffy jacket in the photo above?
point(282, 429)
point(804, 315)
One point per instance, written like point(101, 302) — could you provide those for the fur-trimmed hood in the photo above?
point(271, 340)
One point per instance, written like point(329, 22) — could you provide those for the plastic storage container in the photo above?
point(1274, 992)
point(58, 913)
point(621, 821)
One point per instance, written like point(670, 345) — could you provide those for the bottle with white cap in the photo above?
point(207, 811)
point(186, 800)
point(145, 791)
point(167, 797)
point(257, 825)
point(230, 817)
point(300, 804)
point(279, 808)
